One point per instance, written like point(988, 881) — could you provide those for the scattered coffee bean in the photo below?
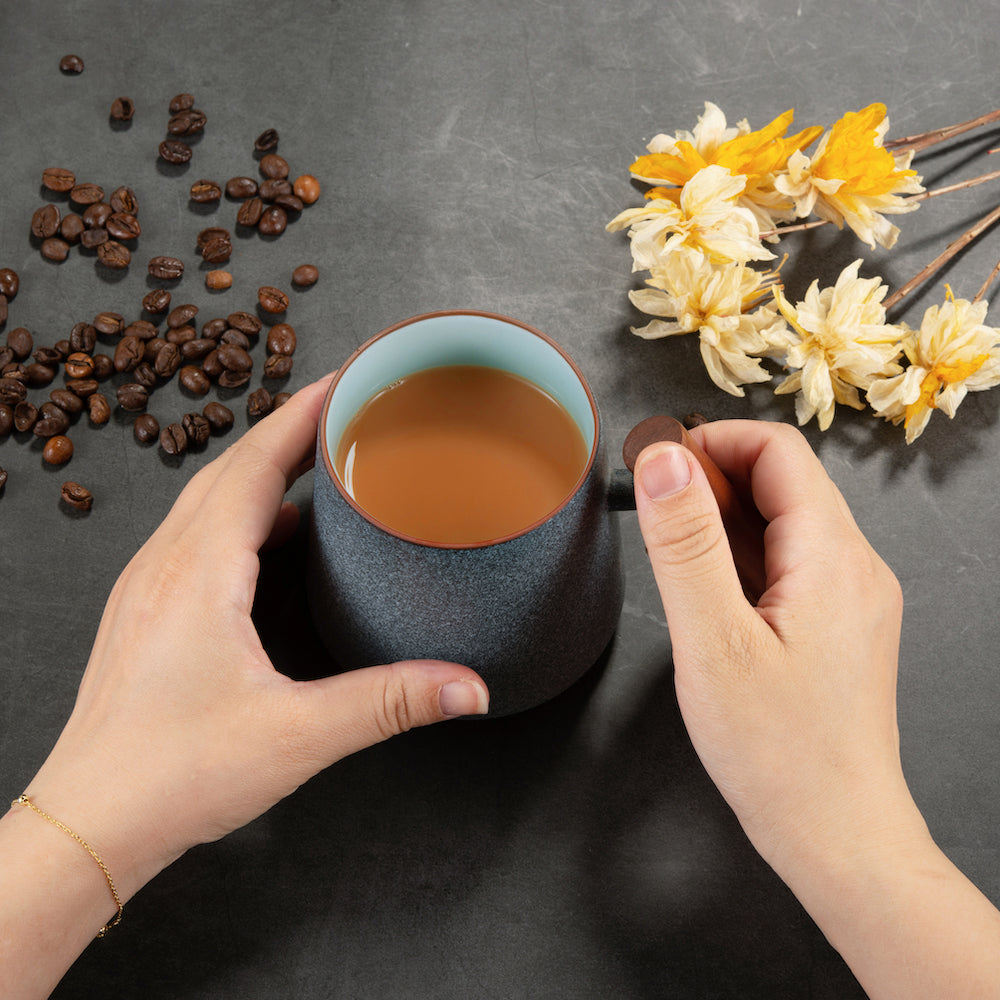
point(266, 141)
point(45, 222)
point(157, 301)
point(194, 379)
point(39, 374)
point(235, 358)
point(82, 338)
point(52, 420)
point(181, 315)
point(273, 220)
point(306, 187)
point(278, 366)
point(3, 479)
point(122, 109)
point(218, 280)
point(79, 365)
point(271, 299)
point(99, 408)
point(71, 64)
point(219, 417)
point(86, 194)
point(110, 323)
point(123, 226)
point(233, 380)
point(280, 398)
point(82, 387)
point(20, 342)
point(275, 187)
point(91, 239)
point(103, 366)
point(129, 352)
point(146, 428)
point(71, 228)
point(259, 403)
point(145, 375)
point(168, 360)
point(55, 249)
point(244, 322)
point(77, 496)
point(58, 179)
point(281, 339)
point(114, 255)
point(217, 251)
point(204, 192)
point(197, 428)
point(188, 121)
point(173, 440)
point(175, 152)
point(67, 401)
point(58, 450)
point(237, 337)
point(241, 187)
point(305, 275)
point(9, 282)
point(214, 328)
point(123, 199)
point(132, 396)
point(273, 165)
point(166, 268)
point(249, 213)
point(181, 103)
point(96, 215)
point(12, 391)
point(196, 349)
point(25, 415)
point(7, 419)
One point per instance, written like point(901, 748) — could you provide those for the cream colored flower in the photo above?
point(693, 295)
point(707, 218)
point(853, 179)
point(953, 353)
point(840, 344)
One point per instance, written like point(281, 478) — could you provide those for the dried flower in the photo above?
point(843, 343)
point(953, 353)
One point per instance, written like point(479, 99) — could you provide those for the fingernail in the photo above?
point(462, 698)
point(665, 473)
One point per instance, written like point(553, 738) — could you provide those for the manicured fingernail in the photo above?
point(463, 698)
point(665, 473)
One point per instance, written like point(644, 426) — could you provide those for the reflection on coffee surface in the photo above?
point(461, 455)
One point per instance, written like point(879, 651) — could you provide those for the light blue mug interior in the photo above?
point(457, 339)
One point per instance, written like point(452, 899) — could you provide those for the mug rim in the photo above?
point(485, 543)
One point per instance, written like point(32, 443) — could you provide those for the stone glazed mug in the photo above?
point(530, 612)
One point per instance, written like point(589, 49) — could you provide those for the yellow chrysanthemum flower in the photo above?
point(840, 344)
point(715, 301)
point(953, 353)
point(852, 178)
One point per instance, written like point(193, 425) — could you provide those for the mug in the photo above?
point(531, 612)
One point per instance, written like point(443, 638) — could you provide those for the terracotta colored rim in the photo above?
point(328, 461)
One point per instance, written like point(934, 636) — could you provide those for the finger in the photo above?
point(686, 541)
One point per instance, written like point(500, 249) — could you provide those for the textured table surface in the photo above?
point(470, 155)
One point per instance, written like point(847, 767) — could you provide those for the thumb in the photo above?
point(686, 541)
point(354, 710)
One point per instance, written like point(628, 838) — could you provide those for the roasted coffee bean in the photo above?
point(219, 417)
point(86, 194)
point(204, 192)
point(305, 275)
point(93, 238)
point(273, 221)
point(68, 402)
point(241, 187)
point(114, 255)
point(272, 300)
point(64, 349)
point(173, 440)
point(58, 450)
point(181, 315)
point(132, 396)
point(123, 226)
point(6, 356)
point(168, 360)
point(71, 228)
point(9, 282)
point(3, 479)
point(166, 268)
point(95, 216)
point(20, 341)
point(55, 249)
point(235, 358)
point(274, 187)
point(157, 301)
point(103, 366)
point(237, 337)
point(25, 415)
point(58, 179)
point(217, 251)
point(99, 408)
point(218, 281)
point(49, 356)
point(197, 428)
point(211, 366)
point(306, 187)
point(71, 64)
point(188, 121)
point(6, 419)
point(174, 151)
point(280, 398)
point(233, 380)
point(52, 420)
point(273, 165)
point(244, 322)
point(195, 350)
point(79, 365)
point(13, 369)
point(45, 222)
point(215, 328)
point(278, 366)
point(146, 428)
point(281, 339)
point(289, 202)
point(210, 234)
point(192, 378)
point(152, 348)
point(145, 375)
point(140, 328)
point(181, 103)
point(82, 338)
point(181, 335)
point(122, 109)
point(259, 403)
point(82, 387)
point(123, 199)
point(109, 323)
point(128, 353)
point(249, 213)
point(12, 391)
point(266, 141)
point(77, 496)
point(39, 374)
point(3, 309)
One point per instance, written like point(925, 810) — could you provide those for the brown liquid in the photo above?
point(461, 455)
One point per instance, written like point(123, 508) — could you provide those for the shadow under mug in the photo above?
point(531, 612)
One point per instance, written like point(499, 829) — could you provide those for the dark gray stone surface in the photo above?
point(470, 155)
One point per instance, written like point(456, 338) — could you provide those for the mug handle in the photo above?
point(743, 523)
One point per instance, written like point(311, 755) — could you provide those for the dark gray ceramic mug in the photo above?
point(531, 613)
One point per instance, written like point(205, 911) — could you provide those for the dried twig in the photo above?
point(986, 284)
point(923, 140)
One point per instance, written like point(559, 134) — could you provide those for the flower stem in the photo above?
point(958, 186)
point(986, 284)
point(923, 140)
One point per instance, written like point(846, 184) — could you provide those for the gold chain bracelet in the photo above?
point(23, 800)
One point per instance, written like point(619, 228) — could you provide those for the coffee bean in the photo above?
point(71, 228)
point(103, 366)
point(82, 387)
point(77, 496)
point(236, 337)
point(96, 215)
point(7, 419)
point(49, 356)
point(280, 398)
point(58, 179)
point(9, 282)
point(235, 358)
point(25, 415)
point(99, 408)
point(273, 221)
point(55, 249)
point(274, 187)
point(306, 187)
point(214, 328)
point(123, 226)
point(188, 121)
point(194, 379)
point(110, 323)
point(146, 428)
point(6, 356)
point(39, 374)
point(156, 301)
point(233, 380)
point(197, 428)
point(241, 187)
point(273, 165)
point(181, 315)
point(219, 417)
point(289, 202)
point(266, 141)
point(278, 366)
point(13, 369)
point(217, 281)
point(281, 339)
point(211, 366)
point(181, 335)
point(168, 360)
point(82, 338)
point(93, 238)
point(271, 299)
point(52, 420)
point(244, 322)
point(166, 268)
point(173, 440)
point(86, 194)
point(3, 479)
point(12, 391)
point(58, 450)
point(128, 353)
point(71, 64)
point(259, 403)
point(204, 192)
point(123, 199)
point(3, 309)
point(217, 251)
point(206, 236)
point(68, 402)
point(63, 348)
point(249, 213)
point(79, 365)
point(195, 350)
point(175, 152)
point(132, 396)
point(145, 375)
point(114, 255)
point(181, 103)
point(45, 222)
point(122, 109)
point(140, 328)
point(20, 341)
